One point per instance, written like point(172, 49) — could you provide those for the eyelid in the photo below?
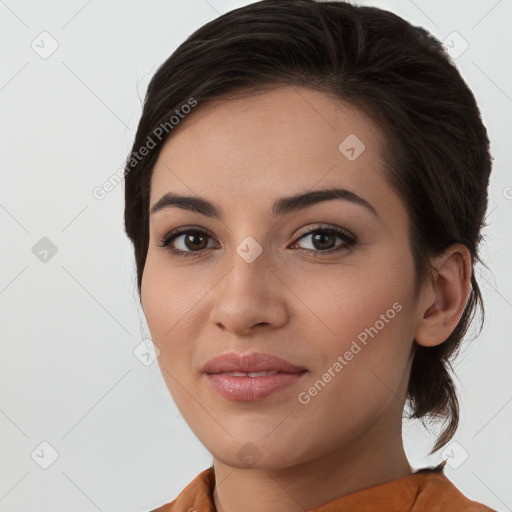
point(319, 226)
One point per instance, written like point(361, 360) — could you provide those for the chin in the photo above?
point(257, 454)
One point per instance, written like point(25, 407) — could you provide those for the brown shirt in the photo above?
point(427, 490)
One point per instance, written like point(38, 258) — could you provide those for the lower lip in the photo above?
point(251, 388)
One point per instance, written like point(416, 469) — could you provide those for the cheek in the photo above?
point(171, 303)
point(365, 315)
point(359, 350)
point(344, 300)
point(165, 312)
point(170, 295)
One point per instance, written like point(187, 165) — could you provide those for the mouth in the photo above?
point(251, 376)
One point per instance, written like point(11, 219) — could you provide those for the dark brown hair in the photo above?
point(436, 151)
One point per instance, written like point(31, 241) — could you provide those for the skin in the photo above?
point(243, 155)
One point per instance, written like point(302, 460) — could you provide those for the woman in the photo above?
point(305, 196)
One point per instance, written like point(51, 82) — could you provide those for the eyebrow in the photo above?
point(282, 206)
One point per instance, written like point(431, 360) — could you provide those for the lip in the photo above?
point(250, 362)
point(245, 388)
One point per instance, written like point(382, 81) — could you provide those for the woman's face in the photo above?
point(272, 280)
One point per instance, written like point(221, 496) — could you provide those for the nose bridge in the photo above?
point(249, 263)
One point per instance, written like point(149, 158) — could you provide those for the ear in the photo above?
point(444, 300)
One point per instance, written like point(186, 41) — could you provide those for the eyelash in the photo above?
point(348, 239)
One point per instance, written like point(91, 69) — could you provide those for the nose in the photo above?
point(250, 298)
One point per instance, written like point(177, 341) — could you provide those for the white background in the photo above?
point(70, 325)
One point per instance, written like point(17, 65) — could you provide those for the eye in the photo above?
point(187, 242)
point(192, 242)
point(323, 240)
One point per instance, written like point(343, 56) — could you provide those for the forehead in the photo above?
point(284, 139)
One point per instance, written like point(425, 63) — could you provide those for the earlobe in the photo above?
point(446, 297)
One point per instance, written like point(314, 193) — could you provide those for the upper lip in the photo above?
point(250, 362)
